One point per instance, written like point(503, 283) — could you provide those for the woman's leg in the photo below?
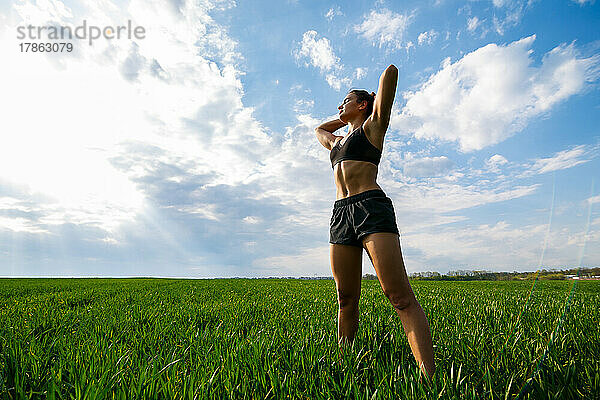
point(384, 251)
point(346, 265)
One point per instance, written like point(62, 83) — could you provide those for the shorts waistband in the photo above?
point(367, 194)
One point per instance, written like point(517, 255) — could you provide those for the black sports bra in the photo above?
point(356, 147)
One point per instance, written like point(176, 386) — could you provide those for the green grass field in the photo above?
point(261, 339)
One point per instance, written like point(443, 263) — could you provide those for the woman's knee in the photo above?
point(400, 301)
point(348, 300)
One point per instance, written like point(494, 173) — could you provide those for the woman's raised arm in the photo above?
point(384, 99)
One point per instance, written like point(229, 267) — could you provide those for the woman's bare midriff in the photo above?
point(353, 177)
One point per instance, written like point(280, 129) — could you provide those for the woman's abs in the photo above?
point(352, 177)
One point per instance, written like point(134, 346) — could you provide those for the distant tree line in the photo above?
point(483, 275)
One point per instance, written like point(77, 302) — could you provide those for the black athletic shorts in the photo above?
point(358, 215)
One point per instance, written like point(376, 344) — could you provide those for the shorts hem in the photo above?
point(349, 244)
point(363, 234)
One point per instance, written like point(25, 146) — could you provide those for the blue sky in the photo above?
point(190, 152)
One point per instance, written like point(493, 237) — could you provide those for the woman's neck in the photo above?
point(355, 123)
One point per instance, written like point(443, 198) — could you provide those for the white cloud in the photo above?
point(43, 11)
point(320, 54)
point(494, 162)
point(337, 82)
point(510, 13)
point(18, 224)
point(303, 105)
point(496, 159)
point(561, 160)
point(593, 200)
point(427, 37)
point(250, 219)
point(427, 166)
point(360, 73)
point(317, 52)
point(473, 23)
point(303, 102)
point(584, 2)
point(493, 92)
point(384, 28)
point(333, 12)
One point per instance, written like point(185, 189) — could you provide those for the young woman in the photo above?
point(363, 217)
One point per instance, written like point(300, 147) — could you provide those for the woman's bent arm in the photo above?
point(325, 131)
point(332, 126)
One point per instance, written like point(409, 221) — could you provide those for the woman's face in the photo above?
point(349, 107)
